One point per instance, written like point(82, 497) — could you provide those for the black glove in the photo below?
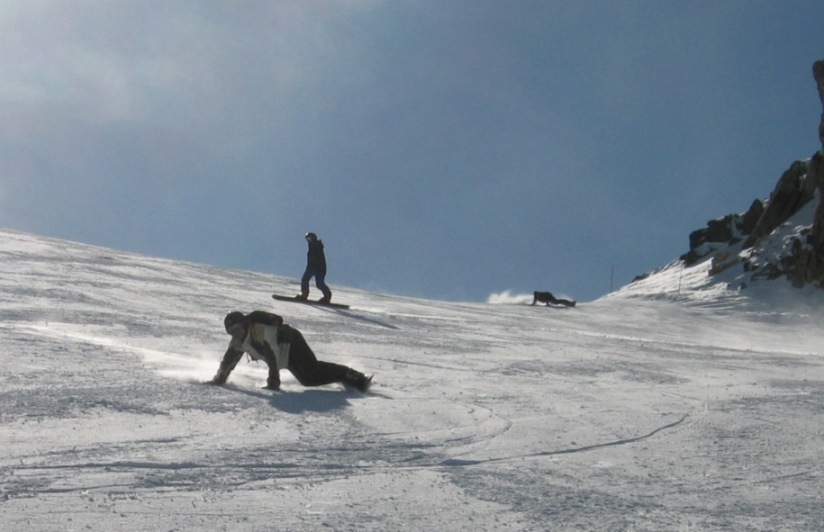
point(273, 382)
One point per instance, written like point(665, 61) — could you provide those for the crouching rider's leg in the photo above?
point(310, 371)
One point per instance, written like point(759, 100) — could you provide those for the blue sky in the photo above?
point(446, 149)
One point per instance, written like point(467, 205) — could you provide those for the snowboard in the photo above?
point(258, 392)
point(266, 389)
point(308, 301)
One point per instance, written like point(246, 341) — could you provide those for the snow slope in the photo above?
point(677, 409)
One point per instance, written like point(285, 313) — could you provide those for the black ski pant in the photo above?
point(303, 363)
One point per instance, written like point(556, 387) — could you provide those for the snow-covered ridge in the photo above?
point(778, 240)
point(626, 413)
point(768, 260)
point(730, 275)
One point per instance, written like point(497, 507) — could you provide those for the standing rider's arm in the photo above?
point(230, 360)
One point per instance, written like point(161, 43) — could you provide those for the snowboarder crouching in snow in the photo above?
point(547, 297)
point(264, 336)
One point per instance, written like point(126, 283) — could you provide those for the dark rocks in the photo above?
point(727, 239)
point(792, 192)
point(723, 232)
point(818, 74)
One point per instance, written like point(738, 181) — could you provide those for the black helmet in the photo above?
point(311, 237)
point(233, 318)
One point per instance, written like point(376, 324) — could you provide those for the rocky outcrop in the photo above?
point(727, 239)
point(794, 190)
point(817, 170)
point(818, 74)
point(723, 233)
point(805, 262)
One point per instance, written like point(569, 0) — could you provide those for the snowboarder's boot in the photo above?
point(302, 296)
point(357, 380)
point(325, 300)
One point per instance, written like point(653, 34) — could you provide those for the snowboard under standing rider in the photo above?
point(315, 267)
point(264, 336)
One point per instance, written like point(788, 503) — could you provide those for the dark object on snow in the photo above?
point(548, 298)
point(264, 336)
point(315, 267)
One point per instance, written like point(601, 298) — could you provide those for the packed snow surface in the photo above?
point(668, 405)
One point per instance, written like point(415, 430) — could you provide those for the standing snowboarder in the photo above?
point(265, 337)
point(315, 267)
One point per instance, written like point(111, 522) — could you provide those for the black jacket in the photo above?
point(315, 258)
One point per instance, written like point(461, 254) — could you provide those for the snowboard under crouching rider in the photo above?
point(264, 336)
